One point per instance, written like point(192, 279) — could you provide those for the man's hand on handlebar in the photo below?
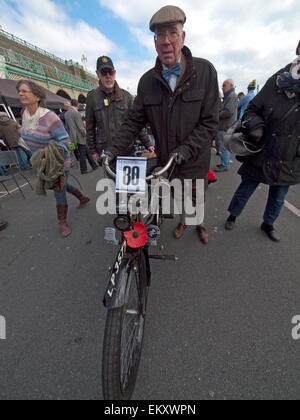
point(179, 158)
point(96, 157)
point(106, 156)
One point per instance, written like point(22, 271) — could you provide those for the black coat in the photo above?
point(279, 162)
point(183, 121)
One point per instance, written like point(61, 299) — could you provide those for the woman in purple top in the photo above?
point(40, 127)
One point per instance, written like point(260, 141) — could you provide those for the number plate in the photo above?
point(131, 175)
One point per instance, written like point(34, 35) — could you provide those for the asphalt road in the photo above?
point(219, 322)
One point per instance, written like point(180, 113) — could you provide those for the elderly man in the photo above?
point(179, 99)
point(228, 115)
point(106, 110)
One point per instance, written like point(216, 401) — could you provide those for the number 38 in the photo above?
point(131, 175)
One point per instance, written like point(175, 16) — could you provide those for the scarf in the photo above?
point(115, 95)
point(30, 122)
point(289, 82)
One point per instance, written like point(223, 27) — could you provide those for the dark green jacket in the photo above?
point(184, 121)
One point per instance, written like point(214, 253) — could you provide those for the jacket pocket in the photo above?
point(193, 95)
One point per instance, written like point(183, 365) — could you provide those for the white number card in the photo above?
point(131, 175)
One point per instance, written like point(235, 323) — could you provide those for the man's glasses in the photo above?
point(173, 36)
point(105, 72)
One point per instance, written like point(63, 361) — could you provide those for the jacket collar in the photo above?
point(189, 67)
point(228, 93)
point(116, 95)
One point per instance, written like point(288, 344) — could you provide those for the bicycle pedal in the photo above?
point(168, 216)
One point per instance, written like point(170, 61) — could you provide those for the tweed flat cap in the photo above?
point(167, 15)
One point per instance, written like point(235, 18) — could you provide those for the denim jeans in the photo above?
point(61, 196)
point(22, 157)
point(3, 171)
point(275, 202)
point(225, 154)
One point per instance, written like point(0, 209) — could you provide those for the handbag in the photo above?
point(237, 143)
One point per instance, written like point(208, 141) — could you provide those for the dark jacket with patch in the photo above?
point(104, 117)
point(183, 121)
point(279, 162)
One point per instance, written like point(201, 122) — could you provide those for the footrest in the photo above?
point(164, 257)
point(168, 216)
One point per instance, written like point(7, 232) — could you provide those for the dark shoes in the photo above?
point(230, 223)
point(202, 232)
point(3, 225)
point(271, 232)
point(179, 231)
point(221, 168)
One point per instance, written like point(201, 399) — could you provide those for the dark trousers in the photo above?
point(276, 199)
point(83, 154)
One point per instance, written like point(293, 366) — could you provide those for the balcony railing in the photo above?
point(26, 44)
point(36, 67)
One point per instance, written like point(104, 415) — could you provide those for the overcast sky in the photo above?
point(245, 40)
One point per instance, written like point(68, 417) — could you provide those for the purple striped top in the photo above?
point(50, 129)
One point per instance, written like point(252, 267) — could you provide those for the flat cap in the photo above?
point(167, 15)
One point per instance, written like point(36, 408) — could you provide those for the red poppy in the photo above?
point(211, 177)
point(137, 237)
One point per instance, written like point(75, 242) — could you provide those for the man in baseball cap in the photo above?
point(179, 98)
point(107, 108)
point(104, 63)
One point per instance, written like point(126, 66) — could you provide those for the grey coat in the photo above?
point(228, 110)
point(74, 126)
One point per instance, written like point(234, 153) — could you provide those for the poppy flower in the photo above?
point(137, 237)
point(211, 177)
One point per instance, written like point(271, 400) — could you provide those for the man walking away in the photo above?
point(228, 115)
point(75, 128)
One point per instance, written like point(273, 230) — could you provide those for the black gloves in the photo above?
point(256, 135)
point(179, 158)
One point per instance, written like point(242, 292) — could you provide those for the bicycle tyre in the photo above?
point(118, 379)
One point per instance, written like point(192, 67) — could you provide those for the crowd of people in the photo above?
point(179, 102)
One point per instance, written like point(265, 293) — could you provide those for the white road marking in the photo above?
point(292, 208)
point(4, 193)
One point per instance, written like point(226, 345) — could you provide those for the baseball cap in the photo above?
point(105, 62)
